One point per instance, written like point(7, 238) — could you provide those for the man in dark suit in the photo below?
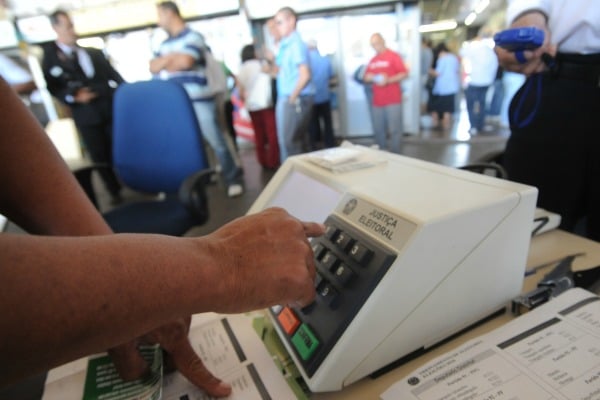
point(84, 80)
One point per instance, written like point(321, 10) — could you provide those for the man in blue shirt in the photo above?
point(183, 58)
point(294, 88)
point(322, 77)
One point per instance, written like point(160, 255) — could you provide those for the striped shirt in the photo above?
point(194, 81)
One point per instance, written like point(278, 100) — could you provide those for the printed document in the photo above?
point(550, 353)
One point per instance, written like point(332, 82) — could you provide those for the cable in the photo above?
point(515, 117)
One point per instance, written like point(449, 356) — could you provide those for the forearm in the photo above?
point(397, 78)
point(172, 62)
point(24, 88)
point(84, 295)
point(303, 79)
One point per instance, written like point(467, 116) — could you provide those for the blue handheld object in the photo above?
point(519, 39)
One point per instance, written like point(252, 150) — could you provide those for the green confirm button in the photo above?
point(305, 342)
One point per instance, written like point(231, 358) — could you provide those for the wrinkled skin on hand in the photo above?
point(263, 259)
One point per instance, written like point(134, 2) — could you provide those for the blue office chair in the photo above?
point(157, 148)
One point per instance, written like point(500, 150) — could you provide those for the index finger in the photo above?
point(313, 229)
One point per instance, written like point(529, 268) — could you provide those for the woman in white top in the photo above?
point(255, 91)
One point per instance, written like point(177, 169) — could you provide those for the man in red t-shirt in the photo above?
point(385, 71)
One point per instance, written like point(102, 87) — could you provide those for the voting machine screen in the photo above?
point(413, 253)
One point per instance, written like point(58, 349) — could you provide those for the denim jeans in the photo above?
point(497, 98)
point(207, 118)
point(475, 96)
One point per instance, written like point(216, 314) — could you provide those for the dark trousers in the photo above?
point(97, 140)
point(321, 115)
point(555, 146)
point(228, 107)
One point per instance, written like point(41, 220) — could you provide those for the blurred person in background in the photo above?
point(385, 71)
point(322, 76)
point(254, 86)
point(481, 64)
point(446, 76)
point(495, 107)
point(21, 80)
point(295, 91)
point(426, 77)
point(183, 58)
point(17, 77)
point(85, 81)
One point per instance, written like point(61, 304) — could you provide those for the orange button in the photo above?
point(288, 320)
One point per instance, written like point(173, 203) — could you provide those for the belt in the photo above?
point(583, 72)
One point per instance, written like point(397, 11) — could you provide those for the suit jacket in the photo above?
point(64, 77)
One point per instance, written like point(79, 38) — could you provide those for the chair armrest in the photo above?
point(192, 194)
point(497, 170)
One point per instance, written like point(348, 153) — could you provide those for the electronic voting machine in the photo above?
point(413, 253)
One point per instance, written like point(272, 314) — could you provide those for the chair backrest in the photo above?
point(157, 141)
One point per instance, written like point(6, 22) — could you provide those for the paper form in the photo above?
point(231, 350)
point(552, 352)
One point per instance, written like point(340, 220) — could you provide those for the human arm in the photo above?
point(18, 77)
point(303, 79)
point(24, 88)
point(400, 76)
point(184, 58)
point(84, 294)
point(172, 62)
point(396, 73)
point(270, 66)
point(333, 79)
point(66, 297)
point(103, 62)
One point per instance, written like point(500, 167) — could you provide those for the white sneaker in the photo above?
point(234, 190)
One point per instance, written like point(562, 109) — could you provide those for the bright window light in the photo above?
point(482, 5)
point(446, 25)
point(470, 18)
point(95, 42)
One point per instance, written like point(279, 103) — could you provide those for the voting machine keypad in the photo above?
point(349, 266)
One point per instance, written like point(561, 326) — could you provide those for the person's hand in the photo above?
point(265, 259)
point(381, 80)
point(84, 95)
point(157, 64)
point(180, 355)
point(534, 62)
